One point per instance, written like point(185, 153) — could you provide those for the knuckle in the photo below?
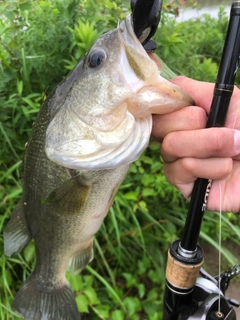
point(169, 174)
point(217, 141)
point(227, 168)
point(169, 143)
point(188, 164)
point(198, 117)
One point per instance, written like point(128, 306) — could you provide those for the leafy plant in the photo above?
point(40, 41)
point(193, 47)
point(84, 35)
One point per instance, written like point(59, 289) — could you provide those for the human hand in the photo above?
point(191, 151)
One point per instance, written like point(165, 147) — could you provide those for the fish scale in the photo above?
point(88, 131)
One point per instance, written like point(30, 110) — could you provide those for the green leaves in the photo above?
point(117, 315)
point(193, 47)
point(84, 36)
point(133, 306)
point(40, 40)
point(86, 296)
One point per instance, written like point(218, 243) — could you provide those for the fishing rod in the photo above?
point(187, 297)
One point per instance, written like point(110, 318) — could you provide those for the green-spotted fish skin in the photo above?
point(62, 222)
point(86, 134)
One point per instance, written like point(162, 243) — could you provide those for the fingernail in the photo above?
point(237, 141)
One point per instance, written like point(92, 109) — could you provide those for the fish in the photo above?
point(87, 133)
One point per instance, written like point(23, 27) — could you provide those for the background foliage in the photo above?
point(40, 42)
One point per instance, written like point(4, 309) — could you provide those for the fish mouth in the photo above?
point(153, 93)
point(113, 135)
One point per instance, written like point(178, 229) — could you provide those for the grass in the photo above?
point(126, 279)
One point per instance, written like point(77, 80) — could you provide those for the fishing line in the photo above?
point(220, 225)
point(219, 245)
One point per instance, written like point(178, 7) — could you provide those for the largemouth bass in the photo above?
point(88, 131)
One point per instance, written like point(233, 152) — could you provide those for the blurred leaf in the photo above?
point(91, 295)
point(29, 252)
point(102, 311)
point(132, 305)
point(130, 279)
point(149, 192)
point(131, 195)
point(82, 303)
point(117, 315)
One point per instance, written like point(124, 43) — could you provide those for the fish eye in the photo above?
point(96, 58)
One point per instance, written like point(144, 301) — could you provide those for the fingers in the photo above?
point(225, 192)
point(203, 143)
point(183, 172)
point(189, 118)
point(194, 117)
point(191, 151)
point(204, 153)
point(202, 94)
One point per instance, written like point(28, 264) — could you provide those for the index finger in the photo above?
point(203, 143)
point(202, 94)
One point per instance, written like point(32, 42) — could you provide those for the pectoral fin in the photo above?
point(80, 261)
point(69, 198)
point(16, 234)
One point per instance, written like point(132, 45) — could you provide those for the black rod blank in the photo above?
point(222, 94)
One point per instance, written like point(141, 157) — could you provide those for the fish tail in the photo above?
point(33, 302)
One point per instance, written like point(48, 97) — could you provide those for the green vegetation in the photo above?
point(193, 47)
point(40, 42)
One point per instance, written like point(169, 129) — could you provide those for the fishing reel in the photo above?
point(206, 298)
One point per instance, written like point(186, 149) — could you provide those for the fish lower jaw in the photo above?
point(158, 98)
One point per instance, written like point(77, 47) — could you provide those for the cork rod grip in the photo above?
point(181, 275)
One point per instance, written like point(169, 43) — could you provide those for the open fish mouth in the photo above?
point(101, 116)
point(155, 95)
